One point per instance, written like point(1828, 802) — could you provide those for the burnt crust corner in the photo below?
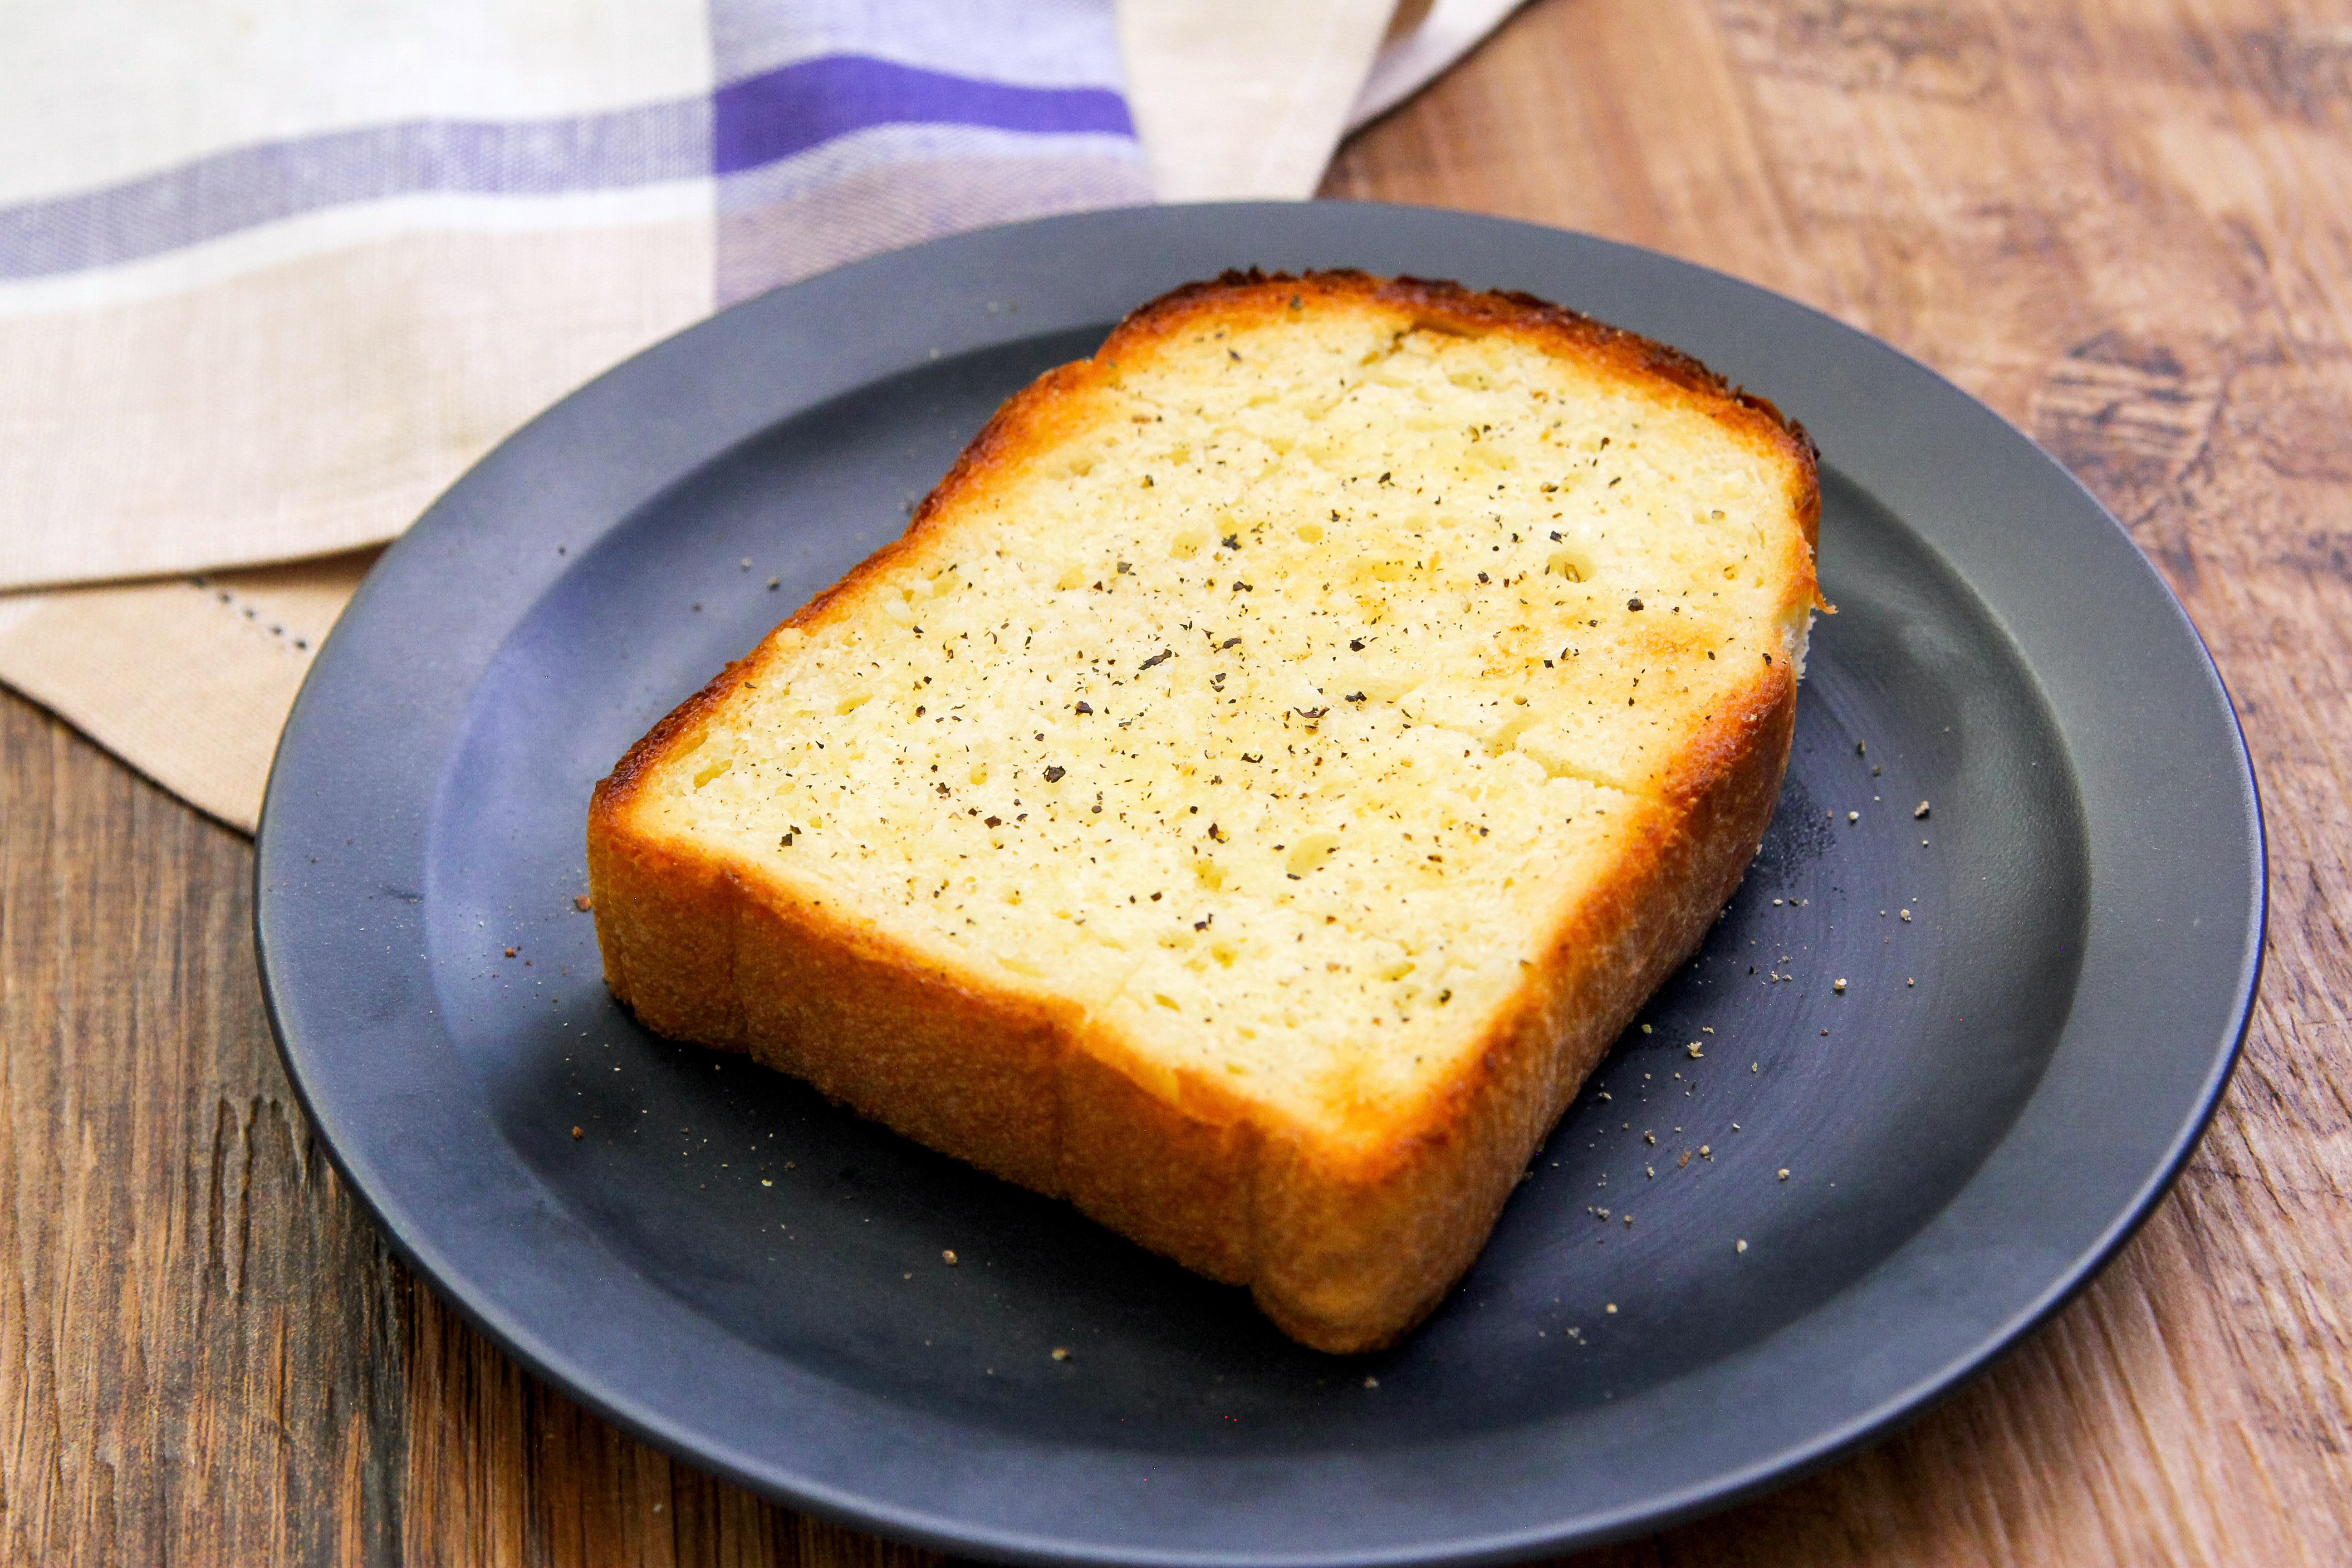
point(617, 789)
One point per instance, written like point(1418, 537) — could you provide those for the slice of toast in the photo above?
point(1277, 761)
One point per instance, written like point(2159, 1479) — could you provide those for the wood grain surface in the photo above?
point(2126, 226)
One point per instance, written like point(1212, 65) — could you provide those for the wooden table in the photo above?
point(2126, 226)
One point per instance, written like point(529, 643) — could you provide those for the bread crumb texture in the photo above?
point(1264, 699)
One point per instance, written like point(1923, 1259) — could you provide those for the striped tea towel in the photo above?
point(273, 272)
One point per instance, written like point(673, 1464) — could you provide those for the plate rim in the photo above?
point(281, 955)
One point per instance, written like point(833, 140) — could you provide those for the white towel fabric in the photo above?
point(272, 275)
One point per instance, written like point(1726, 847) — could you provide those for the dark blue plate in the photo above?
point(2046, 976)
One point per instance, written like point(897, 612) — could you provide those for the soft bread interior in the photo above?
point(1274, 696)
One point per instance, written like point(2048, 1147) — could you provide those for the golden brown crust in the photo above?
point(1345, 1241)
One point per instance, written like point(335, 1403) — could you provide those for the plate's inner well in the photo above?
point(1759, 1141)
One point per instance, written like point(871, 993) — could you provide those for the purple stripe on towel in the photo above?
point(743, 126)
point(793, 108)
point(247, 187)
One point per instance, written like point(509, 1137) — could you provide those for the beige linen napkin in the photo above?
point(1239, 98)
point(189, 679)
point(1244, 99)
